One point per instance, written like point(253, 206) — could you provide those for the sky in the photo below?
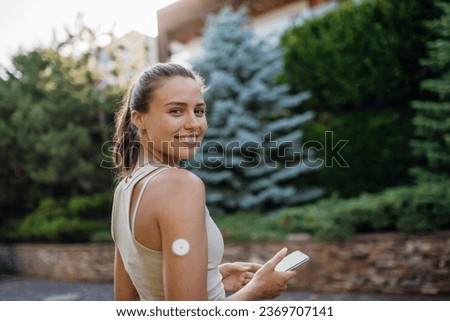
point(30, 23)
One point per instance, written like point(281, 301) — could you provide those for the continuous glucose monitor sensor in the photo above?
point(180, 247)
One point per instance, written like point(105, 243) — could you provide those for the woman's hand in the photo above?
point(236, 275)
point(266, 283)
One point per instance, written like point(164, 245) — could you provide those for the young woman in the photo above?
point(167, 246)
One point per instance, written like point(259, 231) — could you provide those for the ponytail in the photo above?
point(126, 139)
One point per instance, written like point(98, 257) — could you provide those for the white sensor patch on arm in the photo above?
point(180, 247)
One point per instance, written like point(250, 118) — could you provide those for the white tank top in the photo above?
point(144, 265)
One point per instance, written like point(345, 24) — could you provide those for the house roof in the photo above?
point(184, 20)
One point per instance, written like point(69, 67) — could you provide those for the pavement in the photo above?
point(13, 288)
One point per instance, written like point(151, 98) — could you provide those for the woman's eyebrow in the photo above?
point(180, 103)
point(175, 103)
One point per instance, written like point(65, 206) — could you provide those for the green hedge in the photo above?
point(79, 219)
point(361, 64)
point(244, 226)
point(408, 209)
point(359, 55)
point(377, 152)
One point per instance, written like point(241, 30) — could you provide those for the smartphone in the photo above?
point(292, 261)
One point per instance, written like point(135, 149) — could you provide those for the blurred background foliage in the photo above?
point(54, 121)
point(362, 64)
point(363, 55)
point(247, 163)
point(376, 73)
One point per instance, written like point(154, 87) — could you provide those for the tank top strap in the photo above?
point(147, 179)
point(140, 173)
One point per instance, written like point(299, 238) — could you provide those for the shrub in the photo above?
point(249, 226)
point(360, 55)
point(35, 228)
point(361, 64)
point(408, 209)
point(79, 219)
point(377, 151)
point(427, 209)
point(94, 206)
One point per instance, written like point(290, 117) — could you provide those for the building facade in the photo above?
point(125, 57)
point(180, 25)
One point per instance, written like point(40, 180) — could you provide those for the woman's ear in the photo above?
point(137, 119)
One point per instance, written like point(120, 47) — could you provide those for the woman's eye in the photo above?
point(176, 111)
point(200, 112)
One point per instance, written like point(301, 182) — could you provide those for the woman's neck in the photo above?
point(147, 158)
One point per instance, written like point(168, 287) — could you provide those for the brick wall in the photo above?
point(370, 263)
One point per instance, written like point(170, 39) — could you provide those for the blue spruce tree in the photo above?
point(251, 157)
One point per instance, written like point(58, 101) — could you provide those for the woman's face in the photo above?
point(175, 123)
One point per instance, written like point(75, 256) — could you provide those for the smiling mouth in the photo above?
point(190, 139)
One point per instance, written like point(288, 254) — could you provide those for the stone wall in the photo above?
point(370, 263)
point(67, 262)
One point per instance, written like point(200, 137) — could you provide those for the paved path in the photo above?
point(23, 289)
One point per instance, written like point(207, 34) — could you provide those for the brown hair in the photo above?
point(139, 96)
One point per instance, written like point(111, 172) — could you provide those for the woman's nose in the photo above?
point(192, 121)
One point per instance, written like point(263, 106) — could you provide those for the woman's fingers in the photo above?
point(276, 259)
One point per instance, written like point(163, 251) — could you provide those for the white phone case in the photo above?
point(292, 261)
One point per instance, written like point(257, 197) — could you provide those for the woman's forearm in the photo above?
point(245, 294)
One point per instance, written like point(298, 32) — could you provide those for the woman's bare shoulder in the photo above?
point(175, 190)
point(177, 176)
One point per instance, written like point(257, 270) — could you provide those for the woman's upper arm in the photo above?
point(181, 216)
point(124, 289)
